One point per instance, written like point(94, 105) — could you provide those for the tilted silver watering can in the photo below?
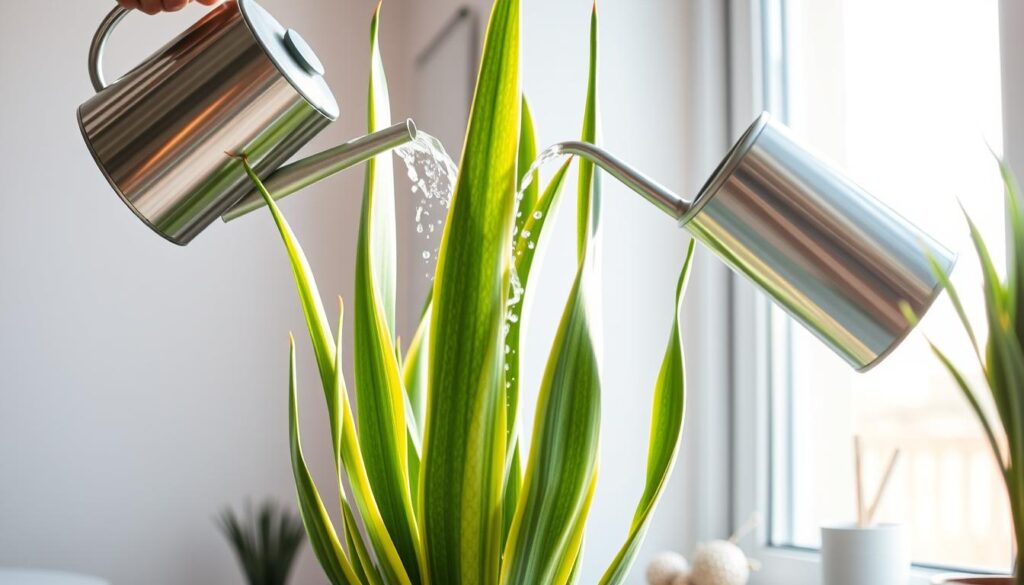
point(839, 261)
point(836, 259)
point(236, 82)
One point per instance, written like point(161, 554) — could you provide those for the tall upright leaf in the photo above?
point(530, 241)
point(547, 530)
point(666, 433)
point(589, 195)
point(416, 369)
point(318, 524)
point(380, 396)
point(464, 439)
point(563, 450)
point(416, 378)
point(350, 458)
point(527, 154)
point(309, 297)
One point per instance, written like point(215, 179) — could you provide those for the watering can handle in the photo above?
point(99, 43)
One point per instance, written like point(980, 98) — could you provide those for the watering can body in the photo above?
point(237, 82)
point(835, 258)
point(839, 261)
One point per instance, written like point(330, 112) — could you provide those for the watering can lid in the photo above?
point(292, 56)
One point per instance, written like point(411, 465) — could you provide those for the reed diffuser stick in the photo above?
point(858, 470)
point(873, 510)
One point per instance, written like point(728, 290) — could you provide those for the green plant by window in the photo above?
point(1002, 360)
point(439, 476)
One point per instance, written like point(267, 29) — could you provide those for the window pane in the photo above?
point(904, 94)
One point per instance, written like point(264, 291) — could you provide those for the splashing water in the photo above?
point(432, 173)
point(515, 299)
point(554, 153)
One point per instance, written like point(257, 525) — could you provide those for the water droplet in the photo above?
point(432, 174)
point(530, 245)
point(516, 292)
point(538, 214)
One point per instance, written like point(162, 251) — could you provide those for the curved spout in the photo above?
point(299, 175)
point(648, 188)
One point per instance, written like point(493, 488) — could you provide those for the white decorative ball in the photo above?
point(665, 568)
point(720, 563)
point(682, 579)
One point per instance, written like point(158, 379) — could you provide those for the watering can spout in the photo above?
point(296, 176)
point(648, 188)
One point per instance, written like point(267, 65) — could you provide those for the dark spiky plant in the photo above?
point(266, 541)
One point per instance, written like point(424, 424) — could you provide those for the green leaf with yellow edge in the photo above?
point(416, 370)
point(569, 568)
point(464, 437)
point(589, 193)
point(530, 241)
point(1015, 273)
point(415, 377)
point(527, 154)
point(563, 449)
point(309, 297)
point(342, 423)
point(524, 211)
point(322, 536)
point(998, 319)
point(362, 562)
point(380, 397)
point(546, 532)
point(354, 465)
point(666, 434)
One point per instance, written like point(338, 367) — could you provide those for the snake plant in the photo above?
point(266, 541)
point(1001, 359)
point(442, 487)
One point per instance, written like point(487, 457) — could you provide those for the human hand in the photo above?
point(158, 6)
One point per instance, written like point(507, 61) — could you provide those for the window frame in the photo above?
point(750, 403)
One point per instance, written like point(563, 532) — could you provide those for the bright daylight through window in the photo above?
point(864, 82)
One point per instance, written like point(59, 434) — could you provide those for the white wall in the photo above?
point(142, 384)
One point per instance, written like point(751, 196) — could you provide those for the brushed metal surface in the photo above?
point(161, 133)
point(836, 259)
point(296, 176)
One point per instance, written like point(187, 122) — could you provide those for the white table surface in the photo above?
point(27, 577)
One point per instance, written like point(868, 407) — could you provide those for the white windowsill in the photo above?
point(790, 566)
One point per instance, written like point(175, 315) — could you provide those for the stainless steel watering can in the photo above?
point(237, 82)
point(836, 259)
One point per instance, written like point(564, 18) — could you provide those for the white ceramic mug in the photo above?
point(879, 555)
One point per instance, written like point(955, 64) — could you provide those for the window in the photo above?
point(904, 95)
